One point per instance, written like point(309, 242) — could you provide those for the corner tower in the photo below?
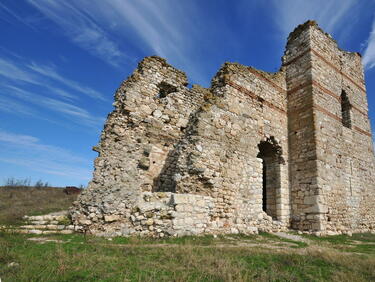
point(332, 176)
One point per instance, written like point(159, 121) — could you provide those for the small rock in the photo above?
point(157, 113)
point(13, 264)
point(150, 221)
point(111, 218)
point(35, 231)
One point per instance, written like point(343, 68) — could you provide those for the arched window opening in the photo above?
point(270, 153)
point(345, 110)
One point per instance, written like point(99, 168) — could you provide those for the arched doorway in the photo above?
point(270, 153)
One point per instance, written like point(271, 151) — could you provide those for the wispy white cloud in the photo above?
point(81, 28)
point(51, 72)
point(14, 72)
point(369, 53)
point(50, 167)
point(39, 74)
point(77, 114)
point(17, 139)
point(28, 151)
point(14, 107)
point(329, 14)
point(155, 23)
point(159, 28)
point(9, 12)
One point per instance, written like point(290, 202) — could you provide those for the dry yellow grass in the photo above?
point(15, 202)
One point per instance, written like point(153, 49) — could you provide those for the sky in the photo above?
point(62, 61)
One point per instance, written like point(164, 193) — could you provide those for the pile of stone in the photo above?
point(52, 223)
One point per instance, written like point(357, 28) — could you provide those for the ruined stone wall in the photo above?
point(255, 151)
point(198, 142)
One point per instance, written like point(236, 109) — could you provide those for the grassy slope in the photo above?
point(15, 202)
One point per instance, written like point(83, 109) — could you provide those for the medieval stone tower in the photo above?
point(255, 151)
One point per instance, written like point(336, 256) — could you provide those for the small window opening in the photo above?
point(345, 110)
point(165, 89)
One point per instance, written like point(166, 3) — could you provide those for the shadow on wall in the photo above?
point(171, 173)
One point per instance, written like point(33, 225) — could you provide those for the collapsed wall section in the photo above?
point(152, 110)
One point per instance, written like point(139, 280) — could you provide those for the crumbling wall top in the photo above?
point(300, 28)
point(312, 23)
point(228, 69)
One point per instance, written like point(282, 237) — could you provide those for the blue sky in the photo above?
point(61, 62)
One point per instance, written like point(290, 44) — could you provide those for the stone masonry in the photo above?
point(256, 151)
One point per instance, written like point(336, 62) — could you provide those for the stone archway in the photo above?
point(270, 153)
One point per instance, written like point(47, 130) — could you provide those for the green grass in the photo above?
point(335, 239)
point(295, 244)
point(15, 202)
point(358, 243)
point(203, 240)
point(364, 237)
point(263, 257)
point(204, 258)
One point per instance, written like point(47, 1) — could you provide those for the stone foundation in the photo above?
point(162, 214)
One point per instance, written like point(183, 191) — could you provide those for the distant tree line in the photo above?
point(26, 182)
point(14, 182)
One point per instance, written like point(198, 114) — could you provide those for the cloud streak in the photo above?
point(329, 14)
point(51, 72)
point(369, 53)
point(77, 114)
point(28, 151)
point(13, 107)
point(81, 29)
point(162, 26)
point(159, 28)
point(40, 75)
point(13, 15)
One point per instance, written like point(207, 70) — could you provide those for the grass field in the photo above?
point(225, 258)
point(15, 202)
point(263, 257)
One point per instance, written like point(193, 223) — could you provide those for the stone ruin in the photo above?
point(256, 151)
